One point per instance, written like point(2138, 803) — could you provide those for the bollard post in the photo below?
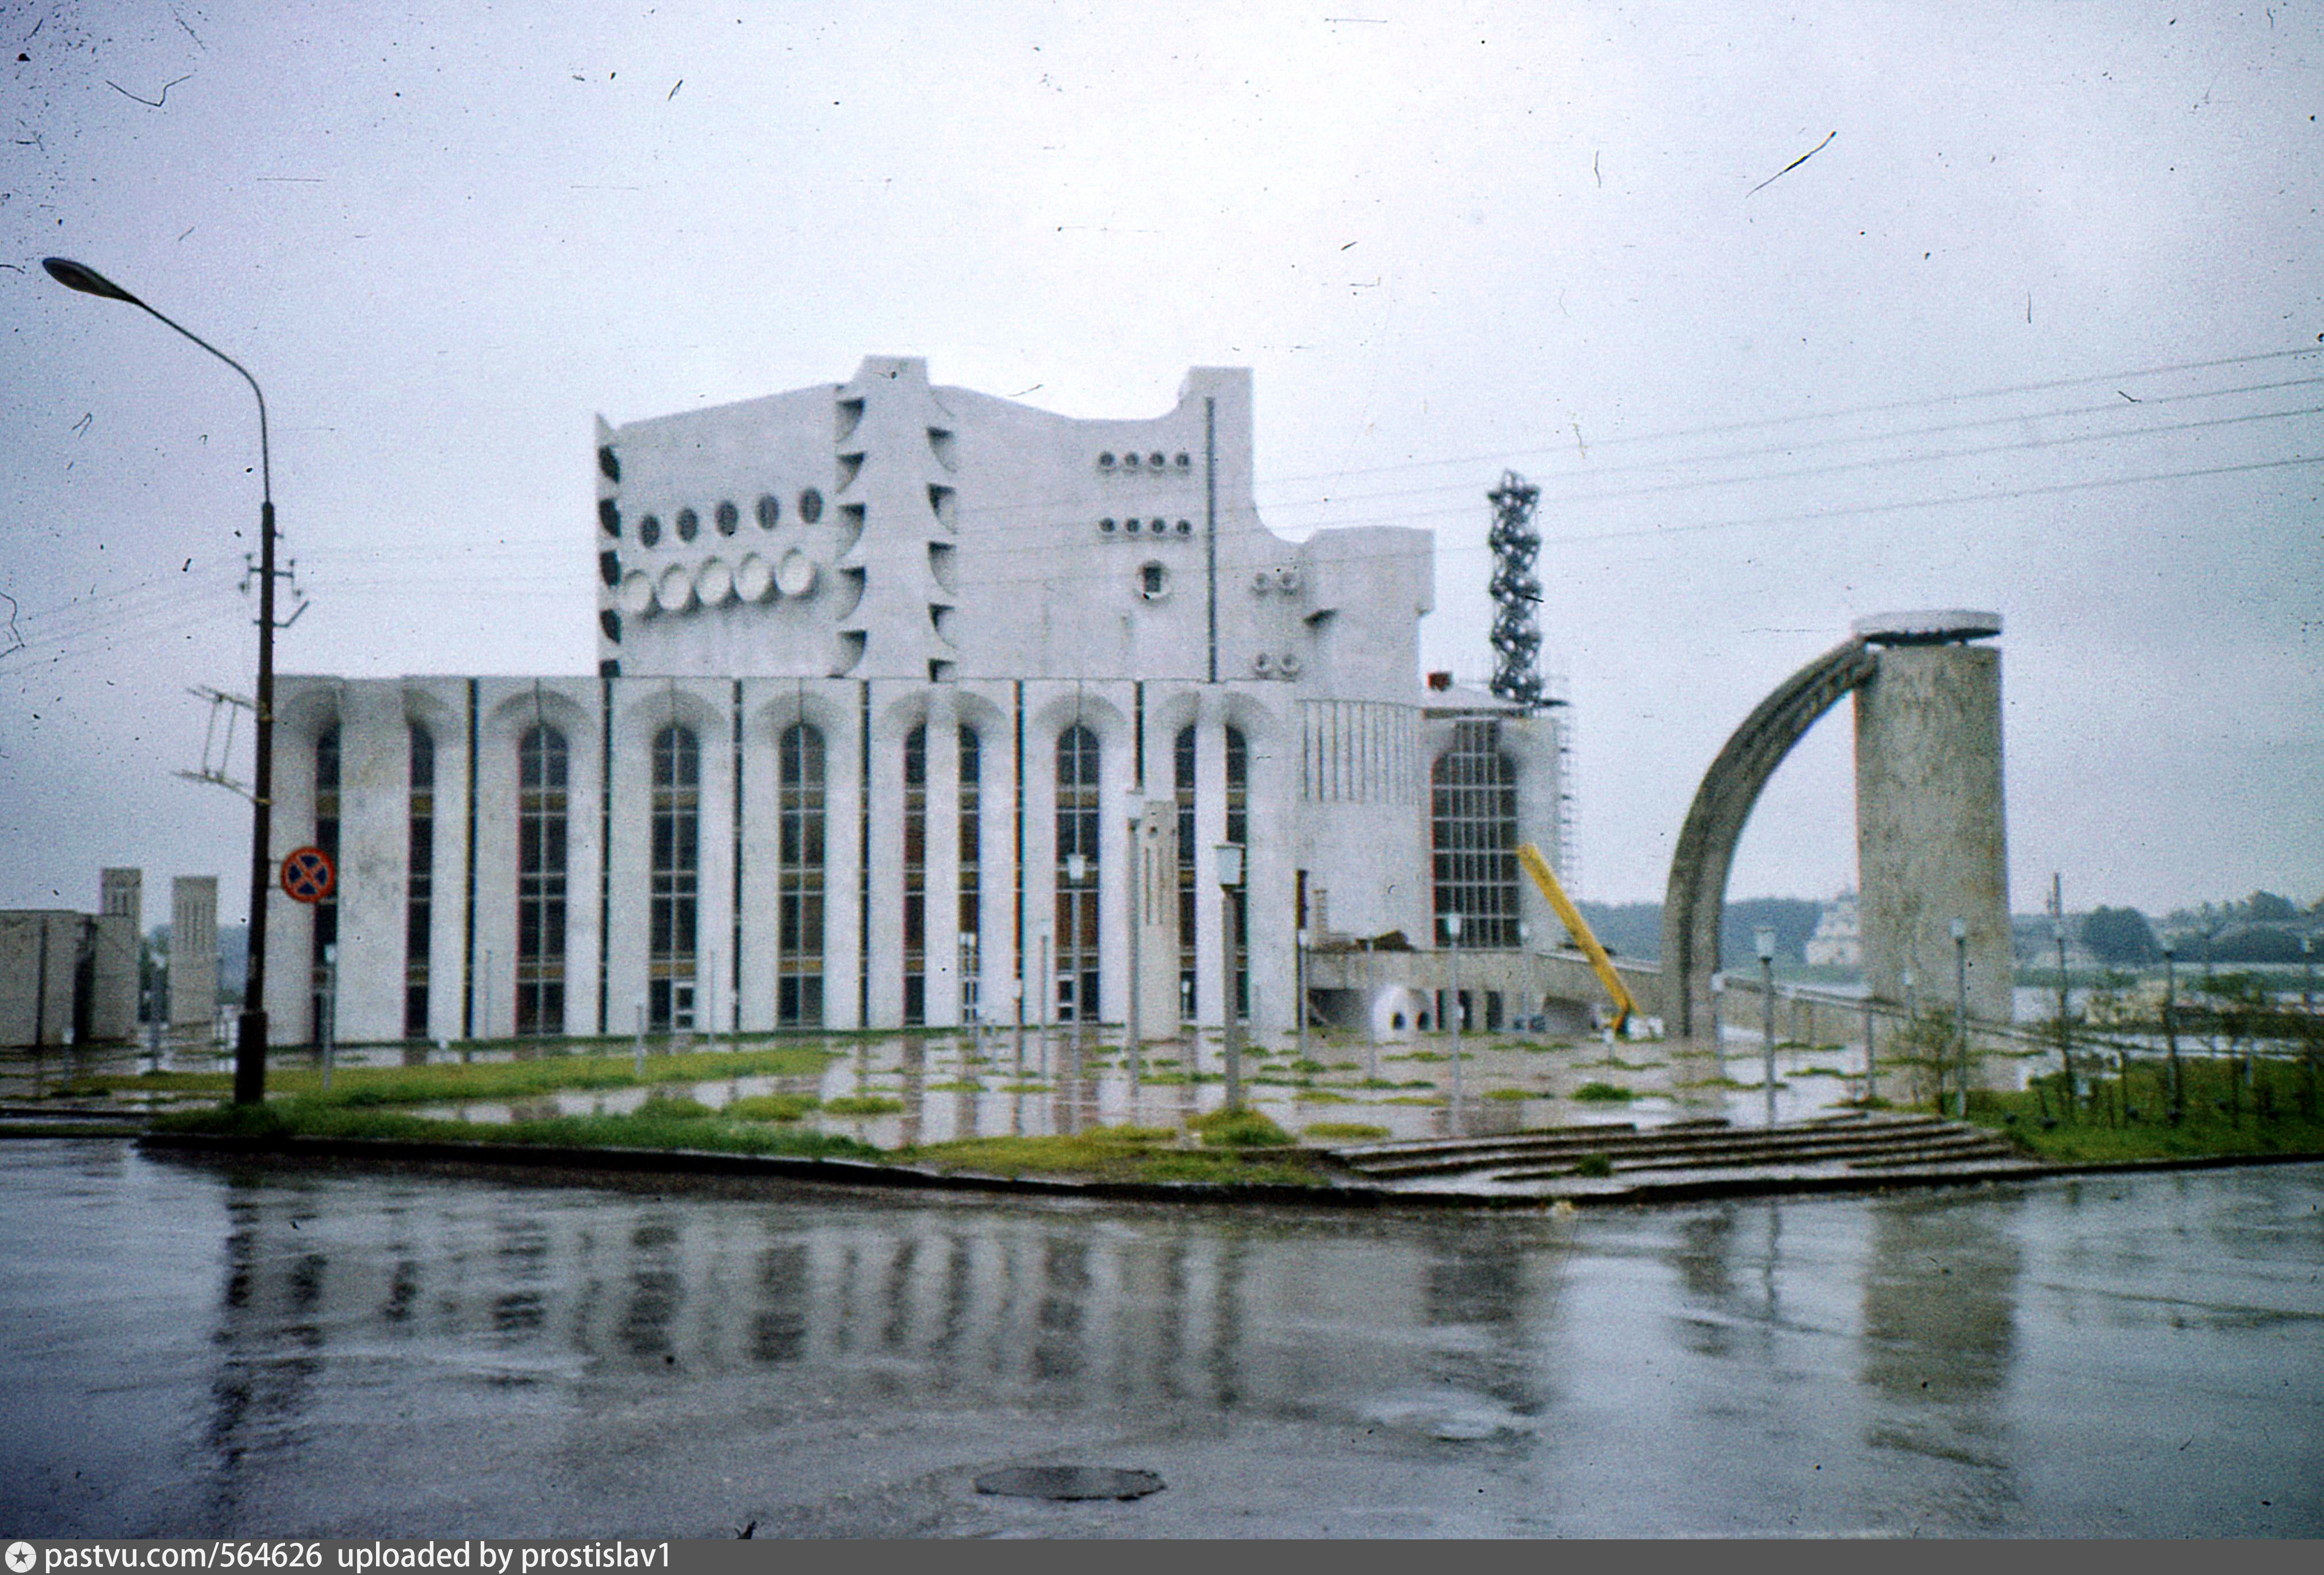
point(1766, 943)
point(1960, 1018)
point(1871, 1064)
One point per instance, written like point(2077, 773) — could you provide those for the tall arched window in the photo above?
point(1474, 819)
point(325, 930)
point(799, 795)
point(1076, 965)
point(543, 772)
point(419, 882)
point(972, 850)
point(1239, 833)
point(916, 877)
point(677, 878)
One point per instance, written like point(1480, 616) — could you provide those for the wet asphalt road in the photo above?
point(193, 1348)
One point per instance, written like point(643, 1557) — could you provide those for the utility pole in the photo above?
point(2065, 1031)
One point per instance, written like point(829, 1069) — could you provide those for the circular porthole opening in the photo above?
point(649, 531)
point(1185, 460)
point(1129, 462)
point(689, 524)
point(771, 512)
point(1105, 461)
point(1105, 527)
point(1156, 461)
point(1185, 526)
point(810, 506)
point(1131, 526)
point(729, 516)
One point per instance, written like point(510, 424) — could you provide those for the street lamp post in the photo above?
point(1076, 871)
point(1453, 1010)
point(250, 1037)
point(1765, 939)
point(971, 989)
point(2171, 1025)
point(1231, 876)
point(1134, 887)
point(1299, 965)
point(1960, 1018)
point(2065, 1025)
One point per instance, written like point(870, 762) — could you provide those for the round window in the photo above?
point(769, 511)
point(649, 531)
point(810, 506)
point(689, 524)
point(729, 516)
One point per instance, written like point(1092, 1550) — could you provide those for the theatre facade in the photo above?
point(914, 707)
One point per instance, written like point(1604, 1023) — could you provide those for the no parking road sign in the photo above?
point(307, 875)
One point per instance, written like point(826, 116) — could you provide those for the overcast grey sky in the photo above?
point(2038, 326)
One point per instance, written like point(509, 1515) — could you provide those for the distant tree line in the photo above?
point(1635, 929)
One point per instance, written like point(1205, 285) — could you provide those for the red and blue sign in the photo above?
point(307, 875)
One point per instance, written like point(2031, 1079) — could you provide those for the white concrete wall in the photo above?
point(974, 527)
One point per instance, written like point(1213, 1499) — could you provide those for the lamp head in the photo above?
point(1076, 868)
point(1230, 856)
point(1766, 942)
point(1452, 925)
point(1960, 930)
point(73, 275)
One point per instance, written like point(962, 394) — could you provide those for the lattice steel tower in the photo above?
point(1516, 639)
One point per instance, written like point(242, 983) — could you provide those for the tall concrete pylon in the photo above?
point(1932, 835)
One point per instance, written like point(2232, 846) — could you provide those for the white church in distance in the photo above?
point(914, 707)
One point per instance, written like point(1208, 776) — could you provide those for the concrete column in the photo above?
point(1155, 870)
point(942, 844)
point(1932, 837)
point(375, 860)
point(193, 951)
point(1210, 987)
point(120, 928)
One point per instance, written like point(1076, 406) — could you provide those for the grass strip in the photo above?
point(669, 1125)
point(2225, 1106)
point(372, 1086)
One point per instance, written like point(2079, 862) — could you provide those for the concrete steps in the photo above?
point(1870, 1145)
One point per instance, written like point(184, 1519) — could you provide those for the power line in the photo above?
point(1468, 484)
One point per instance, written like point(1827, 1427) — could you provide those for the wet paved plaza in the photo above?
point(192, 1346)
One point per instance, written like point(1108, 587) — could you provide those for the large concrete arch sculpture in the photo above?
point(1931, 842)
point(1696, 898)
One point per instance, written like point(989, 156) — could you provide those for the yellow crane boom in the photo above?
point(1625, 1008)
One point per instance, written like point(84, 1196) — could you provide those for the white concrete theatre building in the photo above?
point(896, 684)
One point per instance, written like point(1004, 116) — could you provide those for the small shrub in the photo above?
point(1593, 1164)
point(669, 1107)
point(1243, 1128)
point(774, 1107)
point(1351, 1130)
point(1604, 1092)
point(1510, 1093)
point(863, 1105)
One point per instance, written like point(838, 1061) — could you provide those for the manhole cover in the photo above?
point(1068, 1482)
